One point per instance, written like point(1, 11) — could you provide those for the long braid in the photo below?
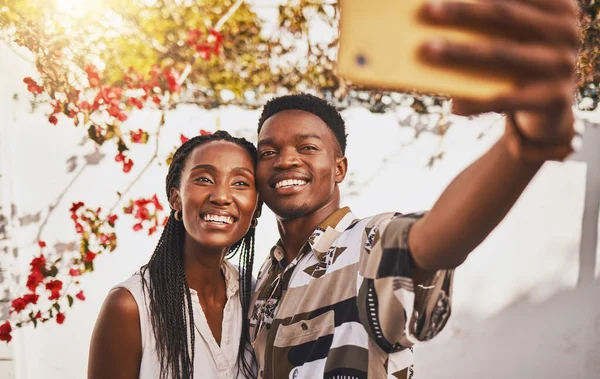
point(170, 297)
point(245, 247)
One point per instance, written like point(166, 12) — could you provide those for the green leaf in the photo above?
point(53, 271)
point(56, 306)
point(70, 300)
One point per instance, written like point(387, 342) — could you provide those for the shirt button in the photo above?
point(304, 326)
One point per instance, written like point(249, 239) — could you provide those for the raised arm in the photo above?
point(116, 346)
point(539, 125)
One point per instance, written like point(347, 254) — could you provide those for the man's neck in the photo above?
point(295, 232)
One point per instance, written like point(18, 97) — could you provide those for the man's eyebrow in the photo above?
point(265, 141)
point(302, 137)
point(299, 137)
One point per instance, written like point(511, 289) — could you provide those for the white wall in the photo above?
point(517, 311)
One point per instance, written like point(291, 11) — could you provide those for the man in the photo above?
point(342, 297)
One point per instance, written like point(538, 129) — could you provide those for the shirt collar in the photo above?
point(323, 236)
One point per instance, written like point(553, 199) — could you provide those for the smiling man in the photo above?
point(344, 297)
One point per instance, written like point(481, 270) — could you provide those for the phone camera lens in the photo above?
point(361, 60)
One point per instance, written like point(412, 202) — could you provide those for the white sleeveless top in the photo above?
point(211, 361)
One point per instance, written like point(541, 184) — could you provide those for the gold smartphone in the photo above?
point(379, 40)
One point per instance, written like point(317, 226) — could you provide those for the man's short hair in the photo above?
point(312, 104)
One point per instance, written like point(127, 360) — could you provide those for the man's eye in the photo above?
point(309, 148)
point(267, 153)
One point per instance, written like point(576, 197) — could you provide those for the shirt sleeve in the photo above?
point(395, 313)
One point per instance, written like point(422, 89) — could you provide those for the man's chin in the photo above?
point(290, 212)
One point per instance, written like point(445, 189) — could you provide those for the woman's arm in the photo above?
point(116, 346)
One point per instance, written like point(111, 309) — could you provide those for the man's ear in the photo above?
point(175, 199)
point(341, 168)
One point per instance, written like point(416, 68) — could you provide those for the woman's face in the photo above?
point(217, 194)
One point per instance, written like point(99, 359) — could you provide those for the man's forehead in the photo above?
point(293, 124)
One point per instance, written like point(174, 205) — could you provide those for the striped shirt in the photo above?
point(345, 307)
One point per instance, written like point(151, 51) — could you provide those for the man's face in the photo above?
point(299, 164)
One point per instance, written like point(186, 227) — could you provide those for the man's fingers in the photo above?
point(536, 97)
point(511, 19)
point(566, 7)
point(514, 59)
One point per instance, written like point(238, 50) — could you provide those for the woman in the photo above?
point(183, 314)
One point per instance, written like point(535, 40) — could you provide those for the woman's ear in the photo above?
point(258, 210)
point(175, 199)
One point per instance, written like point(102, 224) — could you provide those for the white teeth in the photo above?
point(216, 218)
point(289, 183)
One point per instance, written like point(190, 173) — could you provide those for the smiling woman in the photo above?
point(184, 312)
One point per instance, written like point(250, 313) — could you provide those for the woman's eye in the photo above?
point(202, 180)
point(241, 184)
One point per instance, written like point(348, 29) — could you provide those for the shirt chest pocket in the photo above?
point(305, 331)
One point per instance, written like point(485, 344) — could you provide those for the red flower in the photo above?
point(53, 120)
point(38, 263)
point(119, 157)
point(76, 206)
point(152, 230)
point(127, 165)
point(78, 228)
point(31, 298)
point(54, 287)
point(112, 219)
point(141, 202)
point(156, 100)
point(132, 101)
point(204, 132)
point(137, 227)
point(80, 296)
point(60, 318)
point(104, 238)
point(34, 279)
point(172, 80)
point(89, 256)
point(74, 272)
point(18, 305)
point(142, 213)
point(32, 86)
point(183, 139)
point(193, 36)
point(92, 74)
point(156, 203)
point(5, 330)
point(165, 221)
point(42, 243)
point(38, 315)
point(218, 40)
point(85, 106)
point(128, 210)
point(139, 137)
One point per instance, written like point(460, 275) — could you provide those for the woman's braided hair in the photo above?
point(170, 298)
